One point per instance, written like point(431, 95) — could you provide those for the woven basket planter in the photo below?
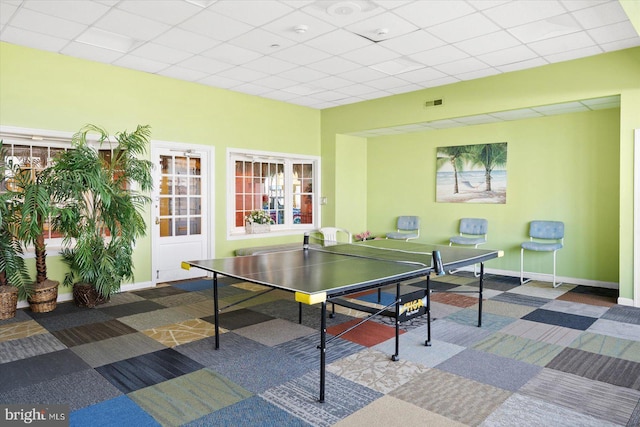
point(45, 297)
point(85, 295)
point(257, 228)
point(8, 302)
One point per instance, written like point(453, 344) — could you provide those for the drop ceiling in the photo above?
point(321, 53)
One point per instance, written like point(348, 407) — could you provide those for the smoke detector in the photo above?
point(344, 8)
point(300, 29)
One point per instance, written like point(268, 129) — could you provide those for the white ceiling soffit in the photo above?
point(321, 53)
point(499, 116)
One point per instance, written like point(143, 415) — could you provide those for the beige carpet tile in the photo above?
point(551, 334)
point(542, 290)
point(506, 309)
point(181, 299)
point(376, 370)
point(154, 319)
point(17, 330)
point(460, 399)
point(391, 412)
point(182, 332)
point(198, 309)
point(115, 349)
point(274, 332)
point(608, 346)
point(522, 349)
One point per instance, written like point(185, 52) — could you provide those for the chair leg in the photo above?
point(522, 281)
point(555, 285)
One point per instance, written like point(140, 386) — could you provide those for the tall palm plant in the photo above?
point(100, 196)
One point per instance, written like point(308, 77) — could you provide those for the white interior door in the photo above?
point(181, 211)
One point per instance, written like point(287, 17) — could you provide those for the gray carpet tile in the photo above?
point(616, 329)
point(491, 322)
point(77, 389)
point(137, 307)
point(310, 314)
point(240, 318)
point(300, 398)
point(29, 346)
point(527, 300)
point(158, 292)
point(413, 348)
point(154, 319)
point(634, 419)
point(92, 332)
point(44, 367)
point(254, 411)
point(623, 314)
point(456, 333)
point(597, 367)
point(274, 332)
point(181, 299)
point(497, 371)
point(573, 321)
point(305, 349)
point(600, 400)
point(118, 348)
point(232, 346)
point(576, 308)
point(78, 317)
point(21, 316)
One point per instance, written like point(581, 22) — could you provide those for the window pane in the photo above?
point(166, 164)
point(181, 227)
point(196, 227)
point(166, 185)
point(194, 186)
point(194, 165)
point(194, 206)
point(180, 205)
point(165, 206)
point(166, 227)
point(181, 185)
point(181, 165)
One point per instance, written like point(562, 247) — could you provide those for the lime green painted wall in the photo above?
point(559, 168)
point(48, 91)
point(351, 184)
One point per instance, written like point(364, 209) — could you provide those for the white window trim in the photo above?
point(237, 233)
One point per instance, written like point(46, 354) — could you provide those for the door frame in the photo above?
point(208, 155)
point(636, 220)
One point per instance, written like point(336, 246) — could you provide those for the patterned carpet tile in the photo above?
point(608, 346)
point(119, 298)
point(188, 397)
point(491, 322)
point(600, 400)
point(101, 414)
point(367, 334)
point(137, 307)
point(274, 332)
point(198, 310)
point(73, 319)
point(598, 367)
point(115, 349)
point(542, 289)
point(454, 299)
point(92, 332)
point(158, 292)
point(517, 348)
point(305, 349)
point(181, 299)
point(526, 300)
point(501, 372)
point(154, 319)
point(506, 309)
point(579, 309)
point(452, 396)
point(624, 314)
point(182, 332)
point(30, 346)
point(413, 349)
point(573, 321)
point(17, 330)
point(376, 370)
point(544, 332)
point(453, 332)
point(240, 318)
point(148, 369)
point(300, 398)
point(616, 329)
point(232, 346)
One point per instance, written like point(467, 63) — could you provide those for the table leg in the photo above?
point(480, 295)
point(215, 309)
point(428, 341)
point(323, 347)
point(396, 356)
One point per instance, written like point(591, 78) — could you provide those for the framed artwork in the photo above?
point(472, 173)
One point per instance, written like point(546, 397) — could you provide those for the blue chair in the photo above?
point(407, 228)
point(472, 232)
point(544, 236)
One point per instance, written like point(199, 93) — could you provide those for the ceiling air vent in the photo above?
point(433, 103)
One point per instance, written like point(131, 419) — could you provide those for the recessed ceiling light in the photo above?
point(107, 40)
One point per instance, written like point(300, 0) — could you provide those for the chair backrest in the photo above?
point(474, 226)
point(550, 230)
point(408, 223)
point(330, 235)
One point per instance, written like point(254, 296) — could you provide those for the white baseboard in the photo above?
point(544, 277)
point(626, 301)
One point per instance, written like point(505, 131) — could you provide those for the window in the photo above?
point(180, 196)
point(284, 186)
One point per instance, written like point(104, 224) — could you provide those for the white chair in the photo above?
point(330, 235)
point(544, 236)
point(407, 228)
point(472, 232)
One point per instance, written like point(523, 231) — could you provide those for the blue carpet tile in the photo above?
point(147, 358)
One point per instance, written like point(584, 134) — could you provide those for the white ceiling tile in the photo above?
point(161, 53)
point(531, 63)
point(487, 4)
point(382, 27)
point(303, 89)
point(45, 24)
point(488, 43)
point(253, 12)
point(520, 12)
point(397, 66)
point(405, 89)
point(387, 83)
point(334, 65)
point(428, 13)
point(182, 73)
point(441, 81)
point(343, 13)
point(303, 74)
point(600, 15)
point(287, 26)
point(362, 74)
point(356, 89)
point(140, 64)
point(329, 95)
point(464, 28)
point(477, 120)
point(269, 65)
point(461, 66)
point(546, 28)
point(478, 74)
point(301, 55)
point(372, 54)
point(168, 12)
point(603, 100)
point(204, 64)
point(439, 55)
point(92, 53)
point(280, 95)
point(6, 11)
point(444, 124)
point(178, 38)
point(220, 81)
point(422, 75)
point(38, 41)
point(235, 55)
point(573, 5)
point(517, 114)
point(573, 54)
point(130, 25)
point(83, 12)
point(612, 33)
point(275, 82)
point(215, 25)
point(562, 44)
point(331, 83)
point(508, 56)
point(338, 42)
point(413, 42)
point(549, 109)
point(262, 41)
point(252, 89)
point(621, 44)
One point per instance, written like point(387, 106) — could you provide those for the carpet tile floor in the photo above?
point(568, 356)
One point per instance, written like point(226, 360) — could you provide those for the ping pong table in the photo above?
point(323, 275)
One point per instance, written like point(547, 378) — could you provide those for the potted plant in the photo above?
point(100, 196)
point(258, 221)
point(13, 272)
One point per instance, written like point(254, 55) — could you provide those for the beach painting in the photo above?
point(472, 173)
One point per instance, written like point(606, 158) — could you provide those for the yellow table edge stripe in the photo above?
point(311, 299)
point(185, 266)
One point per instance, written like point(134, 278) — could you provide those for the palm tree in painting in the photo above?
point(456, 157)
point(489, 156)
